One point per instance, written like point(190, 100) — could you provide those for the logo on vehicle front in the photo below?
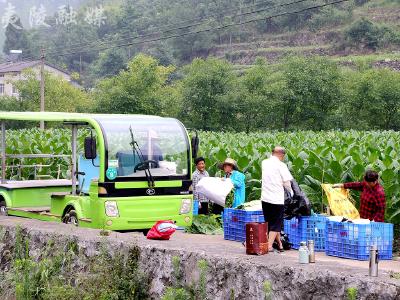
point(150, 192)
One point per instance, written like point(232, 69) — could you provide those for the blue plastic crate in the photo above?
point(305, 229)
point(195, 207)
point(354, 241)
point(294, 232)
point(235, 220)
point(314, 229)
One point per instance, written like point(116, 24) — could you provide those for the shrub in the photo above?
point(329, 16)
point(367, 34)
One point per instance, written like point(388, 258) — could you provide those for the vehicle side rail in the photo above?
point(37, 155)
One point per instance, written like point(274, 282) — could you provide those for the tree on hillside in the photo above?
point(364, 33)
point(314, 88)
point(252, 99)
point(60, 95)
point(284, 113)
point(16, 38)
point(139, 89)
point(109, 63)
point(376, 99)
point(206, 85)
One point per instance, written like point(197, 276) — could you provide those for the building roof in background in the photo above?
point(19, 66)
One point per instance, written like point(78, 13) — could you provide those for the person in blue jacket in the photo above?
point(238, 179)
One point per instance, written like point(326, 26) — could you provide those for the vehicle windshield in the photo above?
point(162, 146)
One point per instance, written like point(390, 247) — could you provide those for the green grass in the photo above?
point(289, 49)
point(284, 50)
point(368, 59)
point(380, 4)
point(351, 293)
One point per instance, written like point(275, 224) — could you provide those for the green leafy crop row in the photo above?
point(33, 141)
point(313, 158)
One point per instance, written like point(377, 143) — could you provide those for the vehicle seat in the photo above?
point(91, 172)
point(127, 162)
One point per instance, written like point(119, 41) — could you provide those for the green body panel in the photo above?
point(79, 203)
point(134, 212)
point(145, 184)
point(31, 197)
point(143, 212)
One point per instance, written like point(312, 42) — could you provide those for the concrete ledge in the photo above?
point(230, 272)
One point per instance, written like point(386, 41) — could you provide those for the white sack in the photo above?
point(361, 221)
point(335, 218)
point(215, 189)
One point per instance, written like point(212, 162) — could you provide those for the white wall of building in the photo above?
point(6, 80)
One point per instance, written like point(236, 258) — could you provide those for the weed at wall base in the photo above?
point(267, 288)
point(181, 291)
point(61, 274)
point(351, 293)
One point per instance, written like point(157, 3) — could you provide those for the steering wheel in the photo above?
point(145, 165)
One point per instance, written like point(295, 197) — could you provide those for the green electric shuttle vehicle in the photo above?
point(132, 171)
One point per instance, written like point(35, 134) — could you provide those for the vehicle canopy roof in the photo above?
point(68, 117)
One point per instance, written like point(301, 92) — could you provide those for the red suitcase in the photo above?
point(256, 238)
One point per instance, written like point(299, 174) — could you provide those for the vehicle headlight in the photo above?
point(186, 206)
point(111, 208)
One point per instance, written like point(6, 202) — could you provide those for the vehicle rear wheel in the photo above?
point(145, 231)
point(71, 218)
point(3, 208)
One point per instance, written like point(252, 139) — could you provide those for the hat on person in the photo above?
point(229, 161)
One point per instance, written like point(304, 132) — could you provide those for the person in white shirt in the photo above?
point(275, 177)
point(196, 177)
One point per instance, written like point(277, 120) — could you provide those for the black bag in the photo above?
point(285, 242)
point(298, 205)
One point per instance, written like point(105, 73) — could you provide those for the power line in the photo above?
point(206, 30)
point(82, 46)
point(180, 28)
point(220, 14)
point(216, 14)
point(196, 19)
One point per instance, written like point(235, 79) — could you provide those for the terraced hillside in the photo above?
point(327, 41)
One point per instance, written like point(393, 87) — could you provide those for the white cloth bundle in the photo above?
point(215, 189)
point(254, 205)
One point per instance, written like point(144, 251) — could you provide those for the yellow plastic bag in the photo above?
point(340, 202)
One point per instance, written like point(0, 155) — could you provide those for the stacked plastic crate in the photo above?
point(235, 222)
point(349, 240)
point(305, 229)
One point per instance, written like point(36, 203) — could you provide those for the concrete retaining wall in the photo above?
point(228, 276)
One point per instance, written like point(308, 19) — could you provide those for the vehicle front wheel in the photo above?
point(71, 218)
point(3, 208)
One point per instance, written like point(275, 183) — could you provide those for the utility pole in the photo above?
point(42, 87)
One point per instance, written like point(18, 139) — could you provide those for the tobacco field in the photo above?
point(33, 141)
point(313, 157)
